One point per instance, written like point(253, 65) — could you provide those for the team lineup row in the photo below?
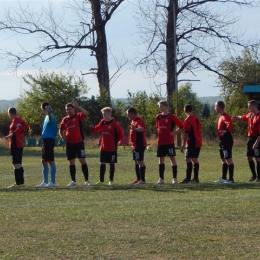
point(168, 126)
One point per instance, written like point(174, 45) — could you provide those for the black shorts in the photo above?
point(48, 149)
point(166, 150)
point(17, 155)
point(225, 147)
point(192, 152)
point(108, 156)
point(138, 154)
point(250, 151)
point(76, 150)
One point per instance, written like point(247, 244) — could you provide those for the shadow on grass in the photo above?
point(184, 188)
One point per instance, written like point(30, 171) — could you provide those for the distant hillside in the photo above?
point(210, 100)
point(5, 104)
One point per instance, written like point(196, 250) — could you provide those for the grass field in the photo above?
point(198, 221)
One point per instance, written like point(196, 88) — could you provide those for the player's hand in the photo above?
point(75, 103)
point(8, 136)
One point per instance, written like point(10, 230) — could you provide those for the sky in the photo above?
point(122, 41)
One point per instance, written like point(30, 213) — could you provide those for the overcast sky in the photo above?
point(122, 38)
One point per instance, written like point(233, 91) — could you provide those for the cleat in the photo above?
point(252, 179)
point(71, 184)
point(220, 181)
point(87, 183)
point(111, 183)
point(50, 185)
point(140, 182)
point(16, 186)
point(135, 182)
point(257, 180)
point(185, 181)
point(42, 185)
point(100, 183)
point(229, 182)
point(195, 181)
point(160, 181)
point(174, 181)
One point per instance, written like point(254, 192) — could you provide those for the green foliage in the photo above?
point(187, 96)
point(206, 111)
point(242, 70)
point(146, 107)
point(55, 89)
point(4, 123)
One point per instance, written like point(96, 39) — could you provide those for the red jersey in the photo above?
point(165, 125)
point(253, 120)
point(111, 134)
point(224, 123)
point(193, 128)
point(17, 128)
point(138, 139)
point(73, 127)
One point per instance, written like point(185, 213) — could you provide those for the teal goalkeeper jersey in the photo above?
point(49, 129)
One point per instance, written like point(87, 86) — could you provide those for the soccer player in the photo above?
point(111, 134)
point(138, 144)
point(72, 133)
point(165, 124)
point(49, 132)
point(192, 141)
point(16, 144)
point(253, 133)
point(224, 131)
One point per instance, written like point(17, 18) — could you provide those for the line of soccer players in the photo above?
point(168, 126)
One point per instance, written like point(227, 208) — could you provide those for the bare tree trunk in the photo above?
point(171, 64)
point(101, 53)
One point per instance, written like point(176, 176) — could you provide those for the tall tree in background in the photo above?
point(242, 70)
point(185, 36)
point(58, 90)
point(81, 26)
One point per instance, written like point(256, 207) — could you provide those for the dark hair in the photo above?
point(220, 104)
point(253, 103)
point(44, 105)
point(132, 111)
point(69, 105)
point(188, 108)
point(12, 111)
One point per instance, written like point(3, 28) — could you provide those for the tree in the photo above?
point(187, 96)
point(206, 111)
point(58, 90)
point(84, 29)
point(185, 36)
point(242, 70)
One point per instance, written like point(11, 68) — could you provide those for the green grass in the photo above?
point(200, 221)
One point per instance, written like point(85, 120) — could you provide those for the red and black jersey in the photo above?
point(73, 128)
point(193, 128)
point(138, 139)
point(165, 125)
point(224, 123)
point(253, 120)
point(111, 134)
point(17, 128)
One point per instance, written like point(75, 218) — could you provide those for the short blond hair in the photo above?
point(164, 103)
point(109, 109)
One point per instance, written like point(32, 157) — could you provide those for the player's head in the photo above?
point(253, 106)
point(163, 105)
point(131, 113)
point(106, 112)
point(70, 109)
point(46, 108)
point(188, 108)
point(219, 106)
point(12, 112)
